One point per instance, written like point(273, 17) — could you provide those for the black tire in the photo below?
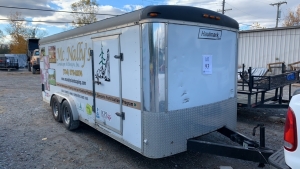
point(56, 111)
point(33, 70)
point(29, 67)
point(67, 117)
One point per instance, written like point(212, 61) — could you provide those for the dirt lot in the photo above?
point(30, 138)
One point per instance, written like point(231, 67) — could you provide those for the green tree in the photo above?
point(87, 10)
point(293, 18)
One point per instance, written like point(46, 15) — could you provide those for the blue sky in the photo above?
point(246, 12)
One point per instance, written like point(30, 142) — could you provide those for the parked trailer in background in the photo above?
point(22, 59)
point(8, 62)
point(152, 79)
point(257, 48)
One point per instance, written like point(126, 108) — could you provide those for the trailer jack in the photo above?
point(249, 149)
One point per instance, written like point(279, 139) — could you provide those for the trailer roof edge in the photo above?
point(182, 13)
point(269, 29)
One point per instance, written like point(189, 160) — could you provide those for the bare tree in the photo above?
point(36, 32)
point(87, 9)
point(17, 31)
point(17, 25)
point(293, 18)
point(20, 32)
point(3, 47)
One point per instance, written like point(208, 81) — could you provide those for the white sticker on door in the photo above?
point(207, 64)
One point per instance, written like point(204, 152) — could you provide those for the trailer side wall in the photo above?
point(66, 67)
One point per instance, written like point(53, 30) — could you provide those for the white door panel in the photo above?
point(107, 82)
point(200, 68)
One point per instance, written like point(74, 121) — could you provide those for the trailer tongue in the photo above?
point(249, 149)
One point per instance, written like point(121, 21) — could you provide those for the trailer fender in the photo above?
point(61, 97)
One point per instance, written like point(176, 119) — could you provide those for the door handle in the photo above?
point(119, 56)
point(97, 82)
point(122, 115)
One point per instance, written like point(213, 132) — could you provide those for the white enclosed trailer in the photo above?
point(151, 79)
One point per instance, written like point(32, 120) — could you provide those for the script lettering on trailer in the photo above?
point(78, 54)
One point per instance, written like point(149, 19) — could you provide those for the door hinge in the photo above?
point(93, 108)
point(119, 56)
point(122, 115)
point(91, 53)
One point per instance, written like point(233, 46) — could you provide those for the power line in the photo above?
point(50, 10)
point(16, 20)
point(241, 10)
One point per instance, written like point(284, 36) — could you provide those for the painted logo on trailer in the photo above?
point(105, 115)
point(79, 107)
point(88, 109)
point(209, 34)
point(104, 71)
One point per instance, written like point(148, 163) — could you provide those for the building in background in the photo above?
point(260, 47)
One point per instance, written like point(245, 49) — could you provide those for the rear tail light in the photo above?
point(290, 131)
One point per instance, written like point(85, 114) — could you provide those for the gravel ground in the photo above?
point(30, 138)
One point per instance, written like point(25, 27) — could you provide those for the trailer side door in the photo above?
point(108, 82)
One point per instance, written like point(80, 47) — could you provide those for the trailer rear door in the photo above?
point(201, 66)
point(108, 82)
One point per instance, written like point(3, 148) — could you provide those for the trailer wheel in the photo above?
point(55, 105)
point(67, 117)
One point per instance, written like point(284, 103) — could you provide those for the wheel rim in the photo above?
point(66, 115)
point(55, 109)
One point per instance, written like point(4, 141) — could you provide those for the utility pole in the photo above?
point(278, 4)
point(223, 8)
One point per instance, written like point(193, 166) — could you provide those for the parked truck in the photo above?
point(288, 157)
point(33, 55)
point(154, 79)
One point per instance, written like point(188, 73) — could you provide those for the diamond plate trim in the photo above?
point(167, 133)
